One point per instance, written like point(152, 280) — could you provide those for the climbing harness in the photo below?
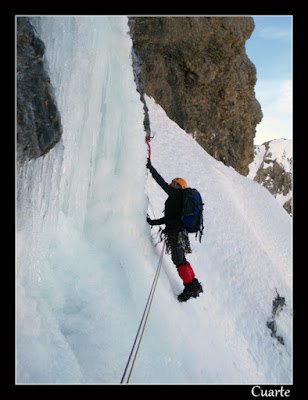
point(143, 319)
point(183, 241)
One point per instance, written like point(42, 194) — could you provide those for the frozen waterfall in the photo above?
point(90, 186)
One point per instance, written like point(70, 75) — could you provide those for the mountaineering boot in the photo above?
point(191, 284)
point(192, 289)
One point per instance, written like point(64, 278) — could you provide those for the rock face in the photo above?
point(197, 69)
point(278, 304)
point(272, 168)
point(38, 119)
point(140, 89)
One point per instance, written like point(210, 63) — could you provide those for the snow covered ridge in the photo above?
point(272, 168)
point(85, 258)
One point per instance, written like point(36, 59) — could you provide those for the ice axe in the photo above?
point(149, 148)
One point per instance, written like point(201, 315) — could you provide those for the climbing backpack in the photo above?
point(192, 214)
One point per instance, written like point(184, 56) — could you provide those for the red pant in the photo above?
point(186, 273)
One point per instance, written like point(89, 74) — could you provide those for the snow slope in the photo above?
point(245, 254)
point(85, 255)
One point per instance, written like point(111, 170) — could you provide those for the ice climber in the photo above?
point(174, 225)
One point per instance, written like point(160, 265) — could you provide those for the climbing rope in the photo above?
point(143, 319)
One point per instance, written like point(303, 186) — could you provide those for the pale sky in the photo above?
point(270, 49)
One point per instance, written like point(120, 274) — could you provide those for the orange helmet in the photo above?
point(181, 182)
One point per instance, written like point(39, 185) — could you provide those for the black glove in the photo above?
point(149, 221)
point(149, 164)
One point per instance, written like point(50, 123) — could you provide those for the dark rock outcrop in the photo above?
point(272, 168)
point(278, 304)
point(140, 89)
point(38, 119)
point(197, 69)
